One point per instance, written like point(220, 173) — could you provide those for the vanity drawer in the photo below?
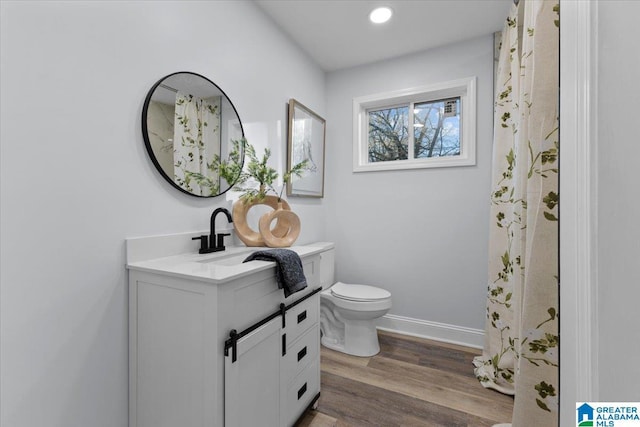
point(301, 317)
point(300, 353)
point(300, 392)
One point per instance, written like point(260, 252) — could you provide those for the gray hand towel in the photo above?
point(289, 274)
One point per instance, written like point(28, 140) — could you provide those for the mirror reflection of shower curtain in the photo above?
point(196, 143)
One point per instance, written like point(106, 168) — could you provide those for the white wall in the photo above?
point(421, 234)
point(618, 201)
point(76, 180)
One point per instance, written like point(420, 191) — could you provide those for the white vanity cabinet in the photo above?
point(179, 333)
point(276, 396)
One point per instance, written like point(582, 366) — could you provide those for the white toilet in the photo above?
point(348, 312)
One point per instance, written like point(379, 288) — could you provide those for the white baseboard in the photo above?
point(432, 330)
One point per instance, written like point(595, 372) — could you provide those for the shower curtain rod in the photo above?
point(164, 86)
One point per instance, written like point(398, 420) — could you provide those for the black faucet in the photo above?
point(209, 243)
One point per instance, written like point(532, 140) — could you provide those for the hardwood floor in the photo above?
point(411, 382)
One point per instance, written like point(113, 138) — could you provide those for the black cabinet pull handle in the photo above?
point(284, 344)
point(302, 353)
point(302, 316)
point(302, 390)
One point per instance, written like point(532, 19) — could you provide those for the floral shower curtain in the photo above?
point(196, 143)
point(520, 354)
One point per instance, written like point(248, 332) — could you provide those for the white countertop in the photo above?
point(216, 267)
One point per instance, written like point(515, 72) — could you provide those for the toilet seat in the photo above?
point(359, 293)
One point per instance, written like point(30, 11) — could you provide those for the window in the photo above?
point(431, 126)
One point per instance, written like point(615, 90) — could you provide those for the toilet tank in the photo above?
point(327, 268)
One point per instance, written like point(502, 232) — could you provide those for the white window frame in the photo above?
point(464, 88)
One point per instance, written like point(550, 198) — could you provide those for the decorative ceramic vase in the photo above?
point(279, 237)
point(251, 237)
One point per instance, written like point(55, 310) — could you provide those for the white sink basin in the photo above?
point(228, 259)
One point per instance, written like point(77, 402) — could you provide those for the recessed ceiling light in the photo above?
point(380, 15)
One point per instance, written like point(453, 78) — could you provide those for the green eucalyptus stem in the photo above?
point(256, 168)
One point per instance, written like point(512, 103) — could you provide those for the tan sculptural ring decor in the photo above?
point(287, 224)
point(284, 233)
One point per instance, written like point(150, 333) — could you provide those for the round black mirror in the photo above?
point(190, 127)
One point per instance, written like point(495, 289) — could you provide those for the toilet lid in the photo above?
point(358, 292)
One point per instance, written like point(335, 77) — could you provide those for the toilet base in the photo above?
point(332, 344)
point(361, 338)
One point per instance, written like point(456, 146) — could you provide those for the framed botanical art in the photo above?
point(306, 139)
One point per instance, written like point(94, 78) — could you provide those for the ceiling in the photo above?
point(337, 33)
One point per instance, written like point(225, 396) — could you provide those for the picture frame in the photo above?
point(306, 141)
